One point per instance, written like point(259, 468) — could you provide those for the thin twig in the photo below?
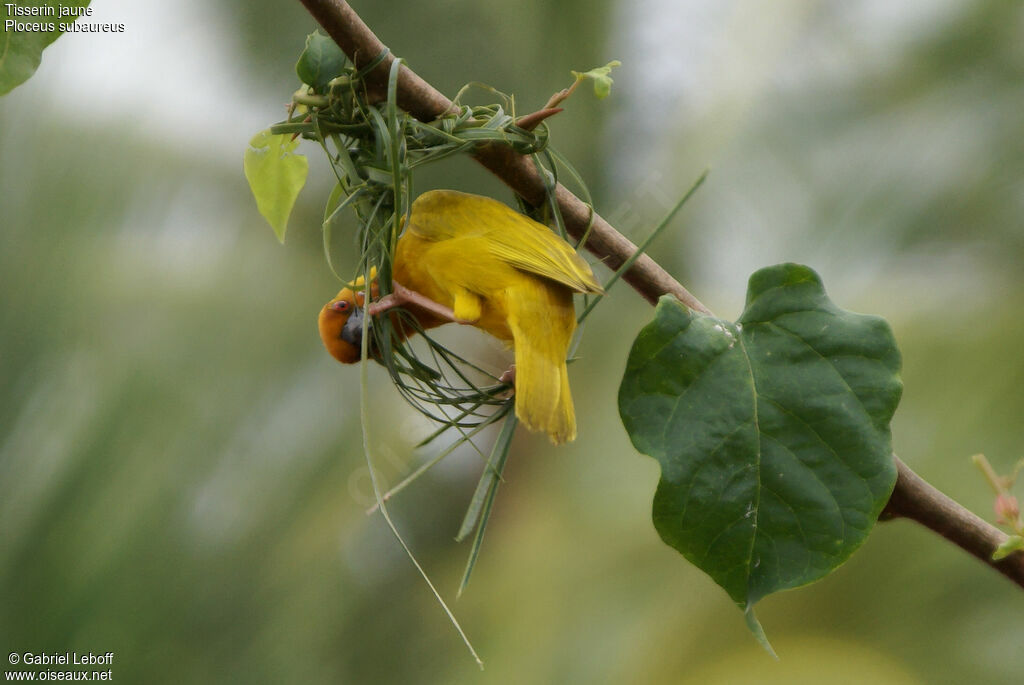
point(912, 498)
point(531, 121)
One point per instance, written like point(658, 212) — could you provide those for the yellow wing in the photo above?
point(518, 240)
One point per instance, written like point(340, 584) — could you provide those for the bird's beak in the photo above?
point(352, 331)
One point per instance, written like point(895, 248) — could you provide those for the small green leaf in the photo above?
point(321, 61)
point(772, 432)
point(276, 175)
point(601, 78)
point(22, 51)
point(1014, 543)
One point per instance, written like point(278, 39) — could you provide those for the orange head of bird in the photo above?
point(341, 326)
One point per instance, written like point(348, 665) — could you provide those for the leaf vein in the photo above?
point(757, 465)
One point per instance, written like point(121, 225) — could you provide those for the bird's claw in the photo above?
point(509, 376)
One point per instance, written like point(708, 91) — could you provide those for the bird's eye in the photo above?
point(340, 306)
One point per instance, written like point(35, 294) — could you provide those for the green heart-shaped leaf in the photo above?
point(22, 51)
point(276, 175)
point(772, 432)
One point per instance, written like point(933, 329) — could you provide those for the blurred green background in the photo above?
point(181, 476)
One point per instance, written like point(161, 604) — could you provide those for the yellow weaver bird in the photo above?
point(475, 261)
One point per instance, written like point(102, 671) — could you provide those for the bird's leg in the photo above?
point(401, 295)
point(467, 307)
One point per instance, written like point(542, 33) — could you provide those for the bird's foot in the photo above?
point(509, 376)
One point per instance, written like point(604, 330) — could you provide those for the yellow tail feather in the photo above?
point(543, 400)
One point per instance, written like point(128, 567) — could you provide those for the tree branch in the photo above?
point(912, 498)
point(916, 499)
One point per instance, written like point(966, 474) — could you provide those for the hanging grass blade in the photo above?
point(483, 499)
point(643, 246)
point(581, 185)
point(364, 414)
point(492, 471)
point(395, 149)
point(436, 459)
point(328, 223)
